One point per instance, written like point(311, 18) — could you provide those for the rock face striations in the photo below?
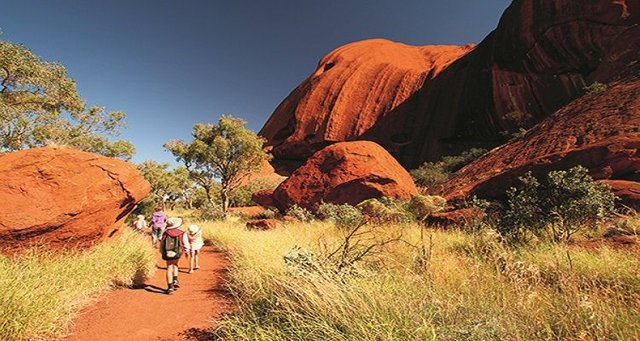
point(64, 197)
point(420, 103)
point(354, 87)
point(600, 131)
point(345, 172)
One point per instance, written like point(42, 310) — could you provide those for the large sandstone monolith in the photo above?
point(346, 172)
point(60, 196)
point(421, 103)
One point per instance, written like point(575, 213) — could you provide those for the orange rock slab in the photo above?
point(64, 197)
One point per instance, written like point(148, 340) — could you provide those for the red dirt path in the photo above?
point(147, 313)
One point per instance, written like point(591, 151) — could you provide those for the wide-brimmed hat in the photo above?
point(174, 222)
point(140, 216)
point(193, 229)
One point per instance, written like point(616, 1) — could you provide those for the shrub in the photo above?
point(343, 215)
point(429, 174)
point(422, 206)
point(300, 213)
point(207, 212)
point(384, 210)
point(267, 214)
point(595, 88)
point(566, 202)
point(433, 173)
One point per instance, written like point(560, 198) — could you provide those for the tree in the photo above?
point(227, 152)
point(40, 105)
point(561, 204)
point(165, 183)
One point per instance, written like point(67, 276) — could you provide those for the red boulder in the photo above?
point(62, 197)
point(346, 172)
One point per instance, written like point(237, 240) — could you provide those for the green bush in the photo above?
point(595, 88)
point(422, 206)
point(267, 214)
point(433, 173)
point(343, 215)
point(384, 211)
point(300, 213)
point(564, 203)
point(207, 212)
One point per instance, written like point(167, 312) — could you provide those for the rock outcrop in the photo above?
point(420, 103)
point(346, 172)
point(600, 131)
point(64, 197)
point(353, 88)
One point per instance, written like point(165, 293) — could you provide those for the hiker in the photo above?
point(140, 224)
point(194, 234)
point(172, 244)
point(158, 224)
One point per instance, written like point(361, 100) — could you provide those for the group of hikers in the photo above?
point(174, 242)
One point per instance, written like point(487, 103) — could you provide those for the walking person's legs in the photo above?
point(172, 276)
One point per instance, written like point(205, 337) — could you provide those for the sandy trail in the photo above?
point(147, 313)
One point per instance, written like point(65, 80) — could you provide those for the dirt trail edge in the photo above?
point(147, 313)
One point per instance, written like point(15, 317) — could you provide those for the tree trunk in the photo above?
point(225, 202)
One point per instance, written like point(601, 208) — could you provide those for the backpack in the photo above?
point(171, 247)
point(159, 220)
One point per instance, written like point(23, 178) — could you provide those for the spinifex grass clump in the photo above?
point(473, 287)
point(42, 291)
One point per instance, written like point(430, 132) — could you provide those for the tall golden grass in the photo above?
point(469, 287)
point(41, 291)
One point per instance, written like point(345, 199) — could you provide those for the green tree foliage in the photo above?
point(433, 173)
point(565, 202)
point(166, 184)
point(225, 153)
point(241, 196)
point(40, 105)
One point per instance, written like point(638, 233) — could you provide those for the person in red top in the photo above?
point(173, 243)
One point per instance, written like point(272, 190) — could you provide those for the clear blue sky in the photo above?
point(171, 64)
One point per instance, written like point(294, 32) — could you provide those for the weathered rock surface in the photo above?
point(62, 197)
point(627, 191)
point(600, 131)
point(353, 87)
point(346, 172)
point(420, 103)
point(264, 198)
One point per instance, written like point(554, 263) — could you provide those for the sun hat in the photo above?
point(174, 222)
point(140, 216)
point(193, 229)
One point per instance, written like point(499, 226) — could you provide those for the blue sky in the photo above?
point(171, 64)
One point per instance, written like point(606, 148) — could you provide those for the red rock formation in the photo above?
point(264, 198)
point(346, 172)
point(62, 196)
point(600, 131)
point(538, 59)
point(627, 191)
point(353, 87)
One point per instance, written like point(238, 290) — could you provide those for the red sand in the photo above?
point(149, 314)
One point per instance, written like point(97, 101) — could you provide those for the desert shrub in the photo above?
point(300, 213)
point(422, 206)
point(453, 163)
point(433, 173)
point(207, 212)
point(595, 87)
point(558, 207)
point(343, 215)
point(267, 214)
point(429, 174)
point(384, 210)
